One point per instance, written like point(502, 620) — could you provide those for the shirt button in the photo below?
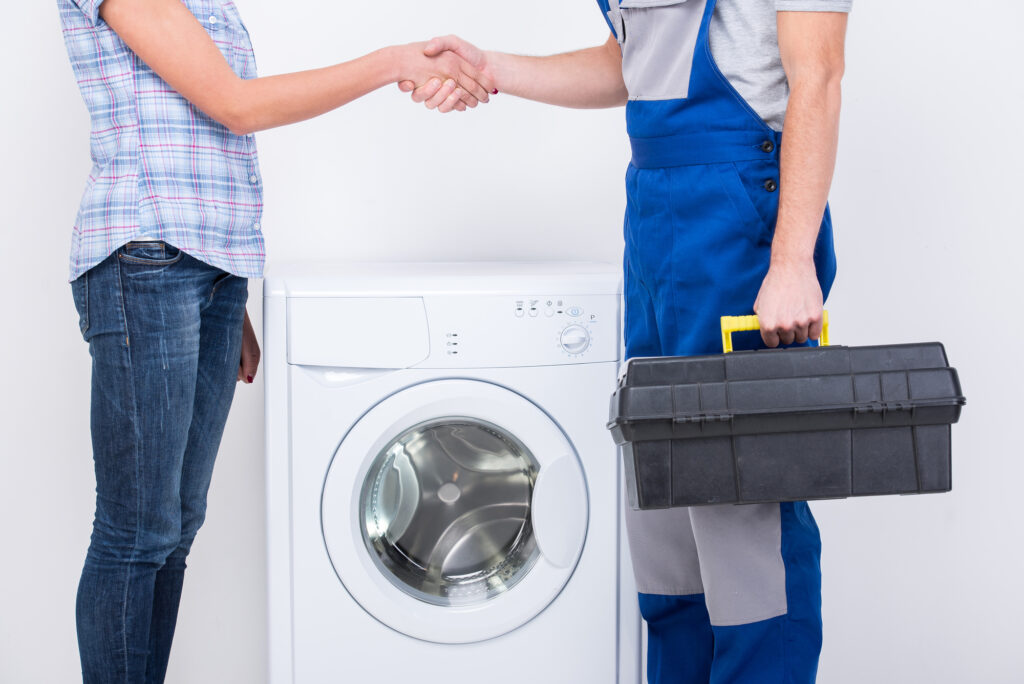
point(253, 179)
point(770, 185)
point(256, 226)
point(213, 18)
point(768, 147)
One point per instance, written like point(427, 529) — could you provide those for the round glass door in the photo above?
point(454, 511)
point(446, 511)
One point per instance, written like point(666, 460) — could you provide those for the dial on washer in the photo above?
point(575, 339)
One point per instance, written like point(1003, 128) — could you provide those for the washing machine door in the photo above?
point(455, 511)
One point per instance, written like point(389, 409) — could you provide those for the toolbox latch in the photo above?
point(703, 418)
point(884, 407)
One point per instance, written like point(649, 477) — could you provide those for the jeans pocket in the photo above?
point(150, 253)
point(80, 292)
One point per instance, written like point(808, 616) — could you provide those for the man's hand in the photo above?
point(442, 96)
point(445, 77)
point(789, 304)
point(584, 79)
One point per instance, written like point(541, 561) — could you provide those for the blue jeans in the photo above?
point(164, 331)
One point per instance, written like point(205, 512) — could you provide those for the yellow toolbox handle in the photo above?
point(735, 324)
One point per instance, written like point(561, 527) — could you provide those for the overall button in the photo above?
point(768, 146)
point(770, 185)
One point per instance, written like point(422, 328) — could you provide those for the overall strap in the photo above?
point(605, 9)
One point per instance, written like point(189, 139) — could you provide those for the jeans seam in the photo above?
point(85, 301)
point(138, 488)
point(216, 286)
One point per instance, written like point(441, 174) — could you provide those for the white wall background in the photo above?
point(927, 203)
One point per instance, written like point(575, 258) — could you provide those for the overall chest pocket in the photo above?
point(658, 38)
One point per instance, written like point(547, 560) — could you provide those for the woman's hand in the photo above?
point(250, 360)
point(453, 82)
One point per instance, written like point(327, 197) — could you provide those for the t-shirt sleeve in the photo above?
point(813, 5)
point(90, 8)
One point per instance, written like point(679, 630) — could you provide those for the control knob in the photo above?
point(575, 339)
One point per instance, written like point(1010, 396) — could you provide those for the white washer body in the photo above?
point(376, 375)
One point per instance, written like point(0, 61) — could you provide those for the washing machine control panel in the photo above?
point(523, 330)
point(534, 307)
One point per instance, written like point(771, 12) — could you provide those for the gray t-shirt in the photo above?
point(745, 43)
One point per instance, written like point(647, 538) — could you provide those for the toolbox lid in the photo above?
point(789, 390)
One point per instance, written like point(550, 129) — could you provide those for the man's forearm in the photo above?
point(584, 79)
point(812, 47)
point(808, 159)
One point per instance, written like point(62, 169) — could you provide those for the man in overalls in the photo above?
point(726, 214)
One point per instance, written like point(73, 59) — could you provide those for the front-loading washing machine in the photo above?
point(444, 502)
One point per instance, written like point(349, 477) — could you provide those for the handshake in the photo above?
point(446, 74)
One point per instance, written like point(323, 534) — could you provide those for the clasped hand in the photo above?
point(446, 74)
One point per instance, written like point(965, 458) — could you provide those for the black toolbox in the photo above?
point(786, 425)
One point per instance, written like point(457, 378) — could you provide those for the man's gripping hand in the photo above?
point(790, 305)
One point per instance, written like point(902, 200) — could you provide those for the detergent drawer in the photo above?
point(357, 332)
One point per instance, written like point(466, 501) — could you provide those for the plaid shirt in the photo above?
point(161, 168)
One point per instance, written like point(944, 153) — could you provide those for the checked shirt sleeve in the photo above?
point(91, 9)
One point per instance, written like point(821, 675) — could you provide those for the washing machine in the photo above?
point(444, 502)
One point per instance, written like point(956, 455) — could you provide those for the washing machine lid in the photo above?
point(455, 511)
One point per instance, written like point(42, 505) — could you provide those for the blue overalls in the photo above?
point(731, 594)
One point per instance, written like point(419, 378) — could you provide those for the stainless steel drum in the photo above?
point(446, 511)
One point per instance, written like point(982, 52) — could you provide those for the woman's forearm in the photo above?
point(273, 101)
point(168, 38)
